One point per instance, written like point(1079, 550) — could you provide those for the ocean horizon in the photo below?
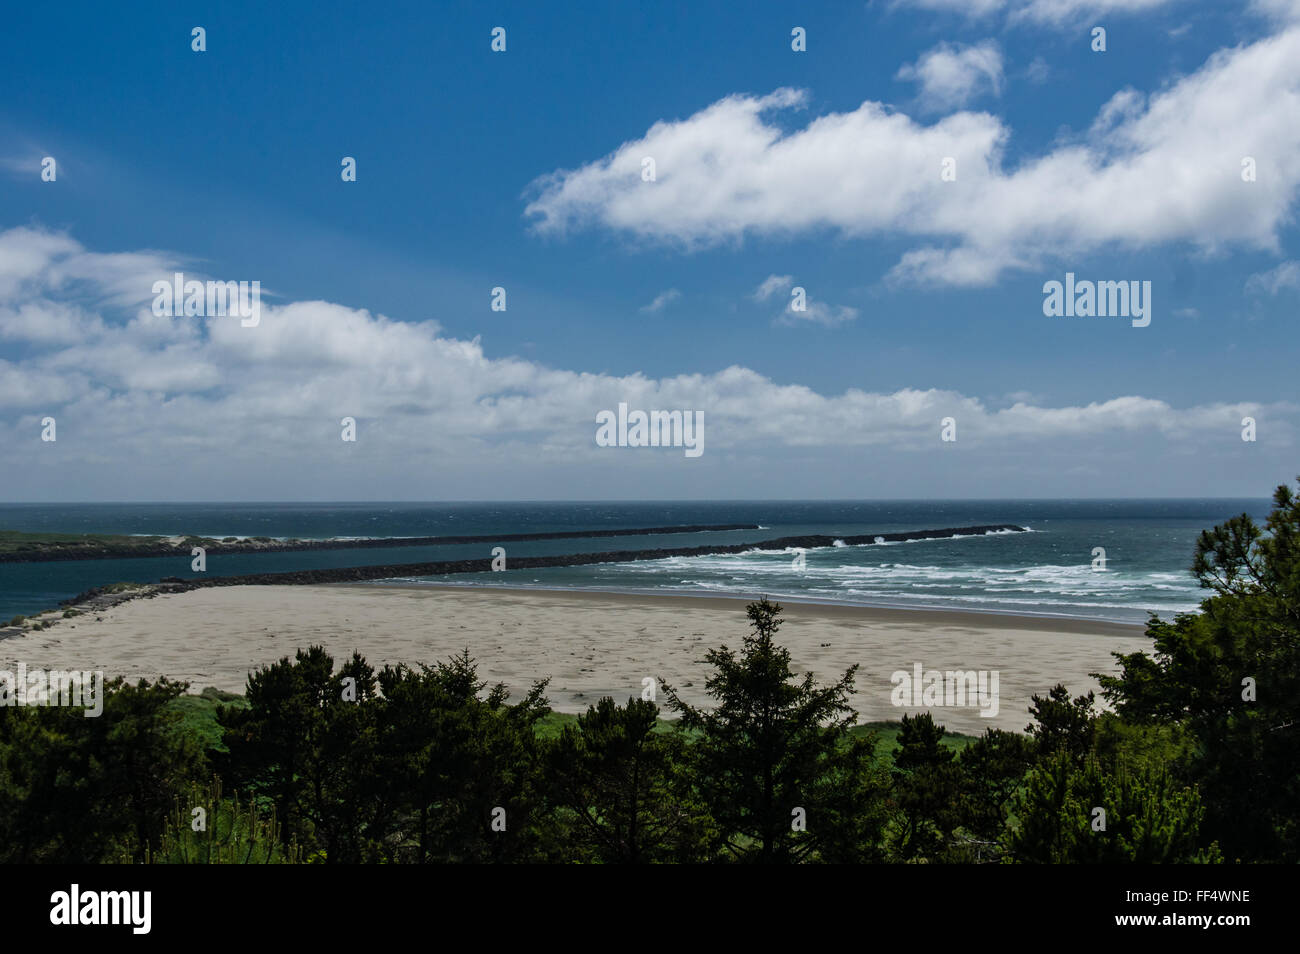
point(1052, 570)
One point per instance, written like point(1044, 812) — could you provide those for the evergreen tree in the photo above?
point(1148, 818)
point(463, 770)
point(1229, 677)
point(78, 790)
point(926, 792)
point(308, 742)
point(1061, 725)
point(775, 755)
point(620, 783)
point(992, 768)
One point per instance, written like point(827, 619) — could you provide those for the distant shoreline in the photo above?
point(499, 562)
point(16, 547)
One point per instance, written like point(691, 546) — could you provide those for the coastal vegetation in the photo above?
point(332, 761)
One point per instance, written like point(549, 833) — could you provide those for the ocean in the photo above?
point(1148, 547)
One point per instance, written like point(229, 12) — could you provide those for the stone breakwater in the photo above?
point(361, 574)
point(52, 552)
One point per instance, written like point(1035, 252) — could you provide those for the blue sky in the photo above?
point(479, 169)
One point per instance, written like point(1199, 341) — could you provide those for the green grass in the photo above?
point(199, 718)
point(887, 736)
point(19, 541)
point(198, 715)
point(13, 540)
point(23, 542)
point(553, 723)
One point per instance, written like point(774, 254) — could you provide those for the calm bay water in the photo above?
point(1148, 546)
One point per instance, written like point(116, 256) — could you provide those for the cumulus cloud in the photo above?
point(157, 401)
point(1153, 169)
point(951, 75)
point(39, 258)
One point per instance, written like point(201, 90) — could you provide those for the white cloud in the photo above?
point(1282, 11)
point(177, 407)
point(819, 313)
point(971, 8)
point(772, 285)
point(1037, 71)
point(951, 75)
point(25, 254)
point(1286, 275)
point(31, 257)
point(47, 322)
point(662, 300)
point(1056, 13)
point(22, 167)
point(1064, 12)
point(1156, 169)
point(816, 312)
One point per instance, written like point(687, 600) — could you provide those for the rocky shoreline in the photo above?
point(361, 574)
point(43, 552)
point(100, 598)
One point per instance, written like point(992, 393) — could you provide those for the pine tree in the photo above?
point(1229, 677)
point(992, 769)
point(1070, 814)
point(462, 768)
point(621, 784)
point(926, 791)
point(1062, 725)
point(774, 761)
point(306, 741)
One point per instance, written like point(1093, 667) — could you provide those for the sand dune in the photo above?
point(588, 644)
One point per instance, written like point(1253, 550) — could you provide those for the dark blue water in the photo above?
point(1148, 546)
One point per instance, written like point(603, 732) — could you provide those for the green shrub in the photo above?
point(206, 828)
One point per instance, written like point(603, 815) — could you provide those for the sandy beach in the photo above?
point(588, 644)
